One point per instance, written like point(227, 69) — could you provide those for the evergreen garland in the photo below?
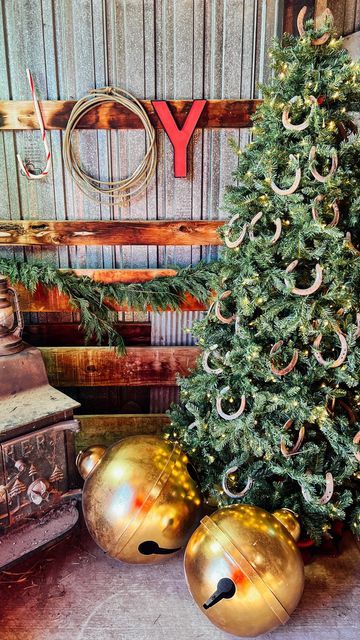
point(93, 300)
point(247, 455)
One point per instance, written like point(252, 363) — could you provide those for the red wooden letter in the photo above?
point(179, 138)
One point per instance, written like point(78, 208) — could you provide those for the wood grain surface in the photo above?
point(75, 592)
point(19, 115)
point(109, 232)
point(107, 429)
point(70, 334)
point(102, 367)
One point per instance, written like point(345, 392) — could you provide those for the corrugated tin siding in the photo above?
point(155, 49)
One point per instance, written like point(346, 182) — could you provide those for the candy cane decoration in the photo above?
point(303, 125)
point(294, 186)
point(232, 244)
point(309, 290)
point(356, 440)
point(23, 167)
point(218, 313)
point(290, 452)
point(335, 221)
point(316, 174)
point(256, 219)
point(290, 366)
point(300, 25)
point(238, 494)
point(207, 353)
point(327, 495)
point(229, 416)
point(343, 352)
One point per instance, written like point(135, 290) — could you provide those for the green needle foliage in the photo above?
point(94, 300)
point(321, 398)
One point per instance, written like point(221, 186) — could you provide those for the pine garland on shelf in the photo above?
point(90, 298)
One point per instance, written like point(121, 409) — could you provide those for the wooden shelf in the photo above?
point(217, 114)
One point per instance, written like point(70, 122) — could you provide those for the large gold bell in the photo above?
point(244, 569)
point(140, 500)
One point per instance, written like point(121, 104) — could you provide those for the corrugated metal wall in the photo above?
point(155, 49)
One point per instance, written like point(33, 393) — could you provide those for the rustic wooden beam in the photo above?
point(51, 300)
point(19, 115)
point(109, 232)
point(107, 429)
point(70, 334)
point(102, 366)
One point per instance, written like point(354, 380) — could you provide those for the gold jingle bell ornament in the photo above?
point(244, 570)
point(140, 501)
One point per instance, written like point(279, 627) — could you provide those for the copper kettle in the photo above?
point(11, 321)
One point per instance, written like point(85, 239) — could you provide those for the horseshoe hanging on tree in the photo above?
point(334, 166)
point(290, 366)
point(357, 332)
point(206, 356)
point(218, 313)
point(309, 290)
point(335, 221)
point(232, 244)
point(256, 219)
point(290, 452)
point(327, 495)
point(356, 440)
point(237, 494)
point(343, 352)
point(229, 416)
point(300, 25)
point(303, 125)
point(294, 186)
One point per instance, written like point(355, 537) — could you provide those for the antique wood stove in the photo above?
point(37, 455)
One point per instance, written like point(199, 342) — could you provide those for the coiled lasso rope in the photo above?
point(119, 191)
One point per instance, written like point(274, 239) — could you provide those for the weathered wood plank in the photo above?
point(109, 232)
point(107, 429)
point(101, 366)
point(70, 334)
point(19, 115)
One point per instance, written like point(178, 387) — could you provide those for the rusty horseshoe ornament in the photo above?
point(232, 244)
point(290, 366)
point(342, 356)
point(309, 290)
point(206, 355)
point(256, 219)
point(333, 168)
point(237, 494)
point(300, 25)
point(295, 184)
point(229, 416)
point(327, 495)
point(220, 317)
point(336, 217)
point(286, 120)
point(291, 452)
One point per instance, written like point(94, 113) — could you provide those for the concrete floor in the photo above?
point(74, 592)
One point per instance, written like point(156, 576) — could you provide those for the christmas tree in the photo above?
point(269, 414)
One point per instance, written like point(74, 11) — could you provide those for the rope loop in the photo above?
point(119, 191)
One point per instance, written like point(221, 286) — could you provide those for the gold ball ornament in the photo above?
point(244, 570)
point(140, 501)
